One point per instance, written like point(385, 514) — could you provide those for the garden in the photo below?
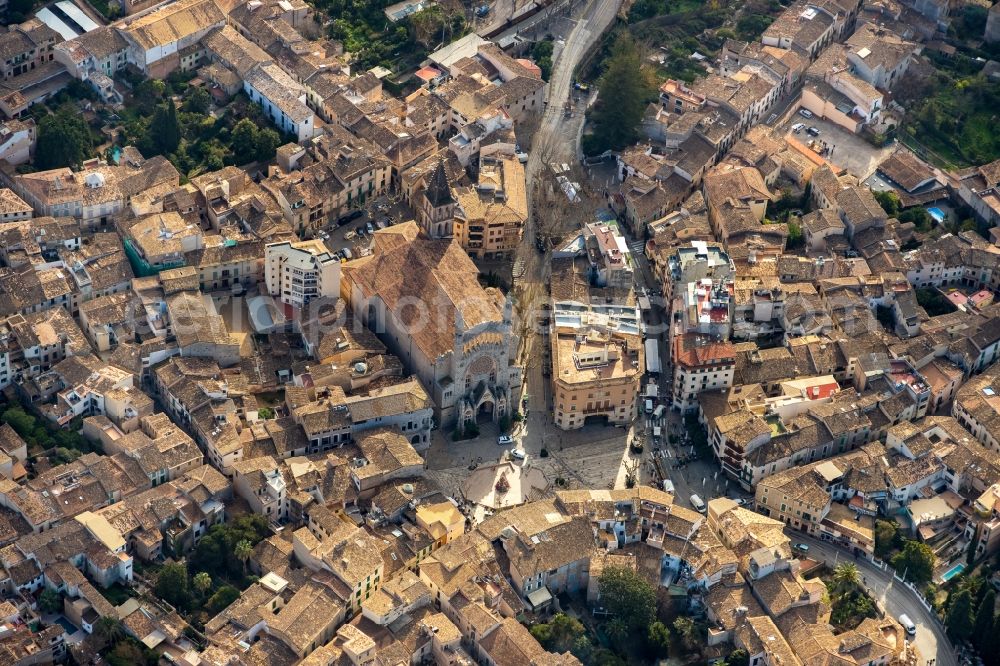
point(630, 629)
point(374, 40)
point(951, 104)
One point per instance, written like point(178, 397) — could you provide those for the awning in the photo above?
point(540, 597)
point(154, 639)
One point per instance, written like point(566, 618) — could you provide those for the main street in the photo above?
point(550, 144)
point(895, 598)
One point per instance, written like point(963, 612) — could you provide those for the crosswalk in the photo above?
point(637, 246)
point(518, 271)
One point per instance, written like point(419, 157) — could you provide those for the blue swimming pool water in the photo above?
point(951, 573)
point(937, 214)
point(67, 625)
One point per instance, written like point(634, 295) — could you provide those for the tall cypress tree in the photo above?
point(984, 622)
point(165, 129)
point(959, 618)
point(625, 90)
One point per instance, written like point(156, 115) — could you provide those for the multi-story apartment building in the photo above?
point(701, 363)
point(597, 364)
point(298, 272)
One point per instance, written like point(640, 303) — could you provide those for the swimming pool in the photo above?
point(937, 214)
point(68, 626)
point(954, 571)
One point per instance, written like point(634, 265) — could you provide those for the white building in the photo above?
point(296, 273)
point(283, 100)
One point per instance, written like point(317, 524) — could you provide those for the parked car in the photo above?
point(349, 217)
point(907, 623)
point(362, 230)
point(505, 440)
point(517, 454)
point(346, 254)
point(350, 235)
point(370, 228)
point(805, 113)
point(522, 157)
point(812, 131)
point(697, 503)
point(798, 127)
point(801, 548)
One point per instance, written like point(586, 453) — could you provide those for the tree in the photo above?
point(933, 301)
point(846, 577)
point(582, 648)
point(559, 634)
point(658, 639)
point(172, 585)
point(126, 653)
point(738, 657)
point(920, 218)
point(63, 140)
point(687, 631)
point(628, 597)
point(202, 582)
point(991, 654)
point(164, 129)
point(970, 553)
point(916, 562)
point(541, 53)
point(886, 537)
point(50, 601)
point(244, 141)
point(198, 100)
point(147, 95)
point(266, 144)
point(617, 630)
point(984, 621)
point(889, 201)
point(242, 551)
point(625, 88)
point(796, 238)
point(224, 596)
point(214, 553)
point(959, 617)
point(109, 629)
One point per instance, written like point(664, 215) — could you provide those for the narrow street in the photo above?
point(550, 145)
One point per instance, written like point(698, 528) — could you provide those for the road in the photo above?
point(549, 144)
point(895, 598)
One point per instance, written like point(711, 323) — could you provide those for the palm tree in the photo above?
point(846, 577)
point(202, 582)
point(243, 550)
point(110, 629)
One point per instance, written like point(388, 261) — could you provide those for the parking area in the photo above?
point(355, 232)
point(839, 146)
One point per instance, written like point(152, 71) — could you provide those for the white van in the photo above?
point(907, 623)
point(649, 406)
point(668, 486)
point(658, 412)
point(697, 504)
